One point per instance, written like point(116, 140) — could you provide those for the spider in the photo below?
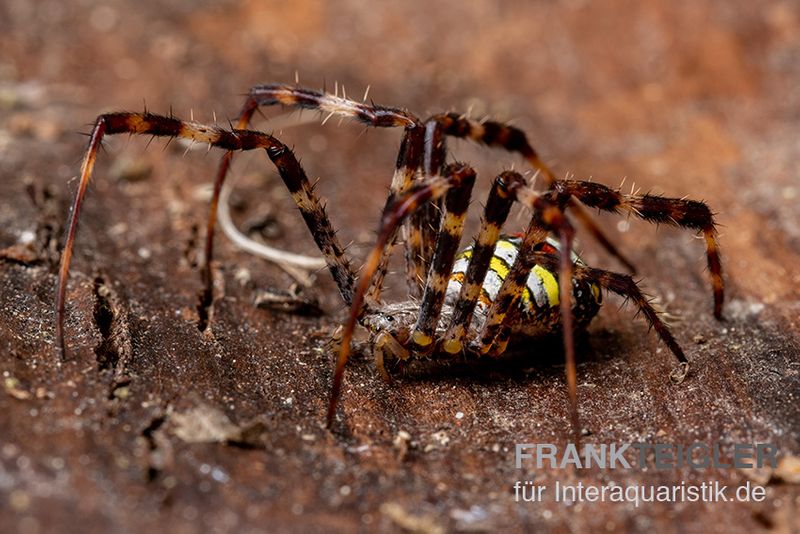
point(500, 289)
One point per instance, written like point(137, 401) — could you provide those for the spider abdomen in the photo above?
point(538, 306)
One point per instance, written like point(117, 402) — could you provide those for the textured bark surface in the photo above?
point(151, 423)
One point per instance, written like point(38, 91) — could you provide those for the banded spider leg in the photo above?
point(289, 168)
point(414, 162)
point(547, 210)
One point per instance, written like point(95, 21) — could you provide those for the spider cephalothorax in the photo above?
point(499, 288)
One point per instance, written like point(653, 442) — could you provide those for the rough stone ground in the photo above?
point(152, 424)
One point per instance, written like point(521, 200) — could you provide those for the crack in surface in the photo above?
point(111, 318)
point(155, 458)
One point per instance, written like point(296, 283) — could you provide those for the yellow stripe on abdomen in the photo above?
point(549, 283)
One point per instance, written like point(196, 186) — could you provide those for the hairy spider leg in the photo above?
point(498, 206)
point(282, 157)
point(425, 222)
point(408, 161)
point(395, 213)
point(509, 294)
point(684, 213)
point(547, 216)
point(625, 286)
point(242, 121)
point(370, 114)
point(498, 135)
point(420, 231)
point(447, 242)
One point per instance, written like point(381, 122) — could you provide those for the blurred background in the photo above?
point(684, 98)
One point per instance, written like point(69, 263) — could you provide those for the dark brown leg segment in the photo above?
point(426, 220)
point(447, 243)
point(547, 216)
point(242, 121)
point(690, 214)
point(408, 161)
point(510, 291)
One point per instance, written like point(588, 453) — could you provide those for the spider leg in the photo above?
point(625, 286)
point(387, 345)
point(690, 214)
point(547, 216)
point(497, 135)
point(160, 126)
point(426, 221)
point(449, 237)
point(408, 161)
point(242, 122)
point(397, 210)
point(498, 205)
point(511, 289)
point(298, 97)
point(504, 335)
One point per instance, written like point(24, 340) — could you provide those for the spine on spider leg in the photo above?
point(689, 214)
point(396, 212)
point(449, 237)
point(498, 206)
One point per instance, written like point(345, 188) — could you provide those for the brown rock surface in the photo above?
point(151, 423)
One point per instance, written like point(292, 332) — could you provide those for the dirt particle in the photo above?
point(13, 388)
point(19, 500)
point(42, 393)
point(440, 440)
point(402, 443)
point(207, 424)
point(426, 524)
point(122, 392)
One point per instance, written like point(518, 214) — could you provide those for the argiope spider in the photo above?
point(499, 289)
